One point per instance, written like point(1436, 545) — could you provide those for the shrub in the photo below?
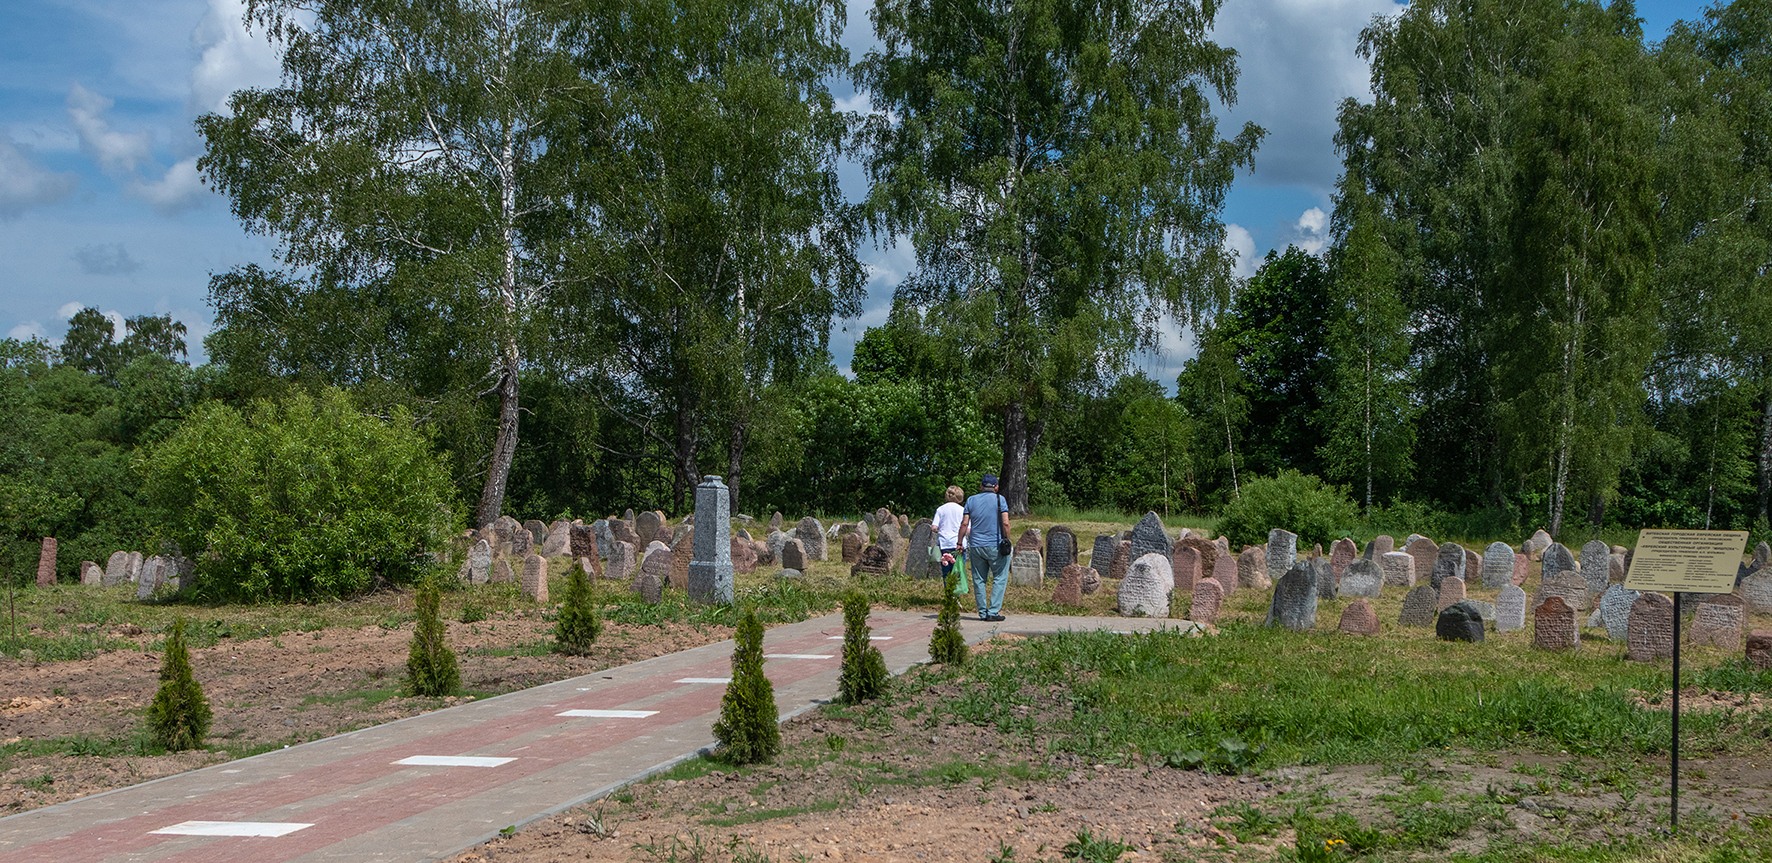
point(747, 728)
point(430, 665)
point(1297, 502)
point(301, 499)
point(864, 674)
point(179, 716)
point(579, 624)
point(946, 645)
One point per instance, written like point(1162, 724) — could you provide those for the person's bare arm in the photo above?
point(965, 527)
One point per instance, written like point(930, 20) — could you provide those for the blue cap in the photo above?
point(989, 479)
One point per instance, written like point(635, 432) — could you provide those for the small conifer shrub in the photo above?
point(946, 645)
point(179, 716)
point(864, 674)
point(747, 728)
point(579, 624)
point(430, 666)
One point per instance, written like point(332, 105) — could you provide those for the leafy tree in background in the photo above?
point(1058, 170)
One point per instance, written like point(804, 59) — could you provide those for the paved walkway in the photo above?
point(430, 786)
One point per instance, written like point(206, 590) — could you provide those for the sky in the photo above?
point(101, 203)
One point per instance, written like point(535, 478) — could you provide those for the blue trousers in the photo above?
point(990, 577)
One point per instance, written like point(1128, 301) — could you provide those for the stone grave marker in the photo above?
point(1536, 545)
point(1025, 569)
point(623, 531)
point(646, 524)
point(1451, 592)
point(501, 572)
point(775, 521)
point(1615, 610)
point(1122, 560)
point(1719, 621)
point(1380, 546)
point(658, 562)
point(1363, 578)
point(557, 542)
point(1473, 567)
point(1522, 565)
point(1556, 561)
point(1144, 592)
point(1510, 609)
point(117, 568)
point(1282, 551)
point(1029, 540)
point(1651, 629)
point(1185, 563)
point(1326, 584)
point(1759, 649)
point(916, 560)
point(811, 534)
point(1341, 553)
point(891, 542)
point(1358, 618)
point(1617, 565)
point(1208, 598)
point(478, 567)
point(1756, 589)
point(1426, 553)
point(535, 578)
point(1498, 566)
point(605, 536)
point(1398, 568)
point(538, 531)
point(1208, 551)
point(1569, 585)
point(91, 574)
point(793, 554)
point(621, 561)
point(1595, 565)
point(1101, 552)
point(874, 560)
point(1461, 621)
point(744, 555)
point(1070, 587)
point(1149, 537)
point(1061, 551)
point(1419, 607)
point(682, 553)
point(1553, 625)
point(1294, 605)
point(649, 586)
point(710, 566)
point(154, 571)
point(1224, 571)
point(1762, 553)
point(1091, 581)
point(584, 540)
point(851, 547)
point(1448, 563)
point(1252, 568)
point(46, 554)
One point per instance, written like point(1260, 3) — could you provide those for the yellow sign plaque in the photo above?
point(1689, 561)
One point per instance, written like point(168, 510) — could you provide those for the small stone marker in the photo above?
point(117, 569)
point(1363, 578)
point(1595, 564)
point(1252, 568)
point(891, 541)
point(1208, 598)
point(1029, 540)
point(682, 553)
point(1398, 568)
point(1282, 551)
point(743, 553)
point(793, 554)
point(1358, 618)
point(582, 543)
point(1149, 537)
point(1208, 551)
point(646, 524)
point(46, 563)
point(1224, 571)
point(1091, 581)
point(1326, 585)
point(1498, 566)
point(657, 563)
point(479, 564)
point(1617, 566)
point(1718, 622)
point(1756, 589)
point(774, 542)
point(1461, 621)
point(1536, 545)
point(1451, 592)
point(1146, 588)
point(1759, 649)
point(1425, 552)
point(1070, 587)
point(1568, 585)
point(1419, 607)
point(501, 572)
point(1553, 625)
point(1025, 569)
point(1762, 553)
point(154, 571)
point(1449, 563)
point(1615, 610)
point(1341, 553)
point(1185, 563)
point(811, 534)
point(874, 561)
point(1510, 609)
point(1122, 560)
point(1101, 552)
point(91, 574)
point(538, 532)
point(557, 542)
point(916, 560)
point(851, 547)
point(1380, 546)
point(621, 561)
point(1557, 561)
point(1651, 629)
point(649, 586)
point(1061, 551)
point(535, 578)
point(775, 521)
point(1294, 604)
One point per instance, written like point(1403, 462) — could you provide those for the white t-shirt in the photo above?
point(947, 524)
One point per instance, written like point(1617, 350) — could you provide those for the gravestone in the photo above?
point(1101, 553)
point(1208, 551)
point(1510, 609)
point(1144, 592)
point(1755, 588)
point(711, 566)
point(1070, 587)
point(1029, 540)
point(811, 534)
point(1208, 598)
point(1358, 618)
point(621, 561)
point(1522, 565)
point(1185, 563)
point(155, 570)
point(1326, 586)
point(515, 536)
point(1759, 649)
point(479, 563)
point(1148, 537)
point(91, 574)
point(133, 566)
point(604, 535)
point(535, 578)
point(774, 541)
point(628, 516)
point(1252, 568)
point(788, 575)
point(657, 563)
point(1282, 551)
point(1651, 629)
point(1718, 622)
point(623, 531)
point(538, 532)
point(1461, 621)
point(1498, 566)
point(584, 540)
point(1380, 546)
point(744, 555)
point(775, 521)
point(1025, 569)
point(117, 568)
point(1341, 553)
point(1473, 567)
point(851, 547)
point(1569, 586)
point(682, 552)
point(646, 524)
point(46, 562)
point(1449, 563)
point(649, 586)
point(1091, 581)
point(1617, 565)
point(1426, 553)
point(891, 542)
point(501, 572)
point(916, 560)
point(1615, 610)
point(1294, 605)
point(1451, 592)
point(1557, 560)
point(873, 560)
point(1061, 551)
point(1762, 553)
point(1553, 625)
point(1399, 569)
point(1122, 560)
point(1419, 607)
point(1224, 571)
point(1535, 546)
point(557, 542)
point(1363, 578)
point(1595, 564)
point(793, 554)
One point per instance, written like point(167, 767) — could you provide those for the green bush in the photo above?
point(1301, 503)
point(946, 645)
point(747, 728)
point(179, 716)
point(579, 624)
point(301, 499)
point(430, 665)
point(864, 674)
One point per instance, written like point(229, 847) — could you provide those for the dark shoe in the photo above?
point(993, 618)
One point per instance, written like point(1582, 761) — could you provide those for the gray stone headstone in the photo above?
point(1252, 568)
point(1615, 605)
point(1650, 633)
point(657, 562)
point(605, 537)
point(793, 554)
point(1596, 562)
point(621, 561)
point(534, 580)
point(1144, 592)
point(811, 534)
point(1535, 546)
point(1419, 607)
point(1762, 553)
point(1061, 550)
point(1025, 568)
point(916, 560)
point(1282, 551)
point(891, 541)
point(501, 572)
point(1567, 585)
point(1363, 578)
point(480, 562)
point(1498, 566)
point(117, 569)
point(91, 574)
point(1101, 553)
point(557, 542)
point(1399, 569)
point(1755, 588)
point(1510, 609)
point(1448, 563)
point(1451, 592)
point(710, 566)
point(1719, 622)
point(646, 524)
point(156, 570)
point(1207, 599)
point(1380, 546)
point(1148, 536)
point(1557, 560)
point(1294, 605)
point(1459, 622)
point(1224, 571)
point(1326, 584)
point(1425, 552)
point(649, 586)
point(538, 532)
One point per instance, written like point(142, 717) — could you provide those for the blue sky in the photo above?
point(101, 205)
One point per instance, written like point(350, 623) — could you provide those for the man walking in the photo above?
point(984, 533)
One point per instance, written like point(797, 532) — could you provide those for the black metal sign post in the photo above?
point(1673, 773)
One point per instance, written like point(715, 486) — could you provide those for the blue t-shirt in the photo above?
point(986, 529)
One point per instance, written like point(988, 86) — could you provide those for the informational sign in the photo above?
point(1690, 561)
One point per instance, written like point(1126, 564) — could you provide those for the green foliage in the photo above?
point(301, 499)
point(179, 716)
point(947, 645)
point(864, 675)
point(430, 664)
point(579, 622)
point(748, 728)
point(1087, 848)
point(1293, 501)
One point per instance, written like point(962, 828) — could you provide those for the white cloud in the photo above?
point(1312, 230)
point(231, 58)
point(116, 152)
point(103, 259)
point(26, 331)
point(181, 188)
point(1241, 246)
point(25, 184)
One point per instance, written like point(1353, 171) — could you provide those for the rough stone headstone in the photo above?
point(1759, 649)
point(1498, 566)
point(1149, 537)
point(649, 586)
point(479, 563)
point(1025, 569)
point(1363, 578)
point(1380, 546)
point(46, 563)
point(874, 560)
point(1326, 585)
point(584, 540)
point(1091, 581)
point(1070, 587)
point(1398, 568)
point(1419, 607)
point(155, 570)
point(1755, 588)
point(1553, 625)
point(1061, 551)
point(1535, 546)
point(1252, 568)
point(1650, 633)
point(1358, 618)
point(1522, 566)
point(1426, 553)
point(623, 531)
point(557, 541)
point(646, 524)
point(743, 553)
point(91, 574)
point(1557, 560)
point(621, 561)
point(851, 547)
point(1144, 592)
point(1185, 563)
point(811, 534)
point(501, 572)
point(1451, 592)
point(1224, 571)
point(133, 567)
point(1101, 553)
point(1294, 605)
point(1615, 610)
point(1617, 566)
point(1595, 563)
point(1208, 598)
point(682, 552)
point(1510, 609)
point(1762, 553)
point(891, 541)
point(534, 580)
point(1282, 551)
point(602, 533)
point(1029, 540)
point(1568, 585)
point(658, 563)
point(710, 545)
point(1341, 553)
point(774, 541)
point(775, 521)
point(538, 531)
point(1461, 621)
point(117, 568)
point(793, 554)
point(1718, 622)
point(1122, 560)
point(1450, 562)
point(1208, 551)
point(916, 560)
